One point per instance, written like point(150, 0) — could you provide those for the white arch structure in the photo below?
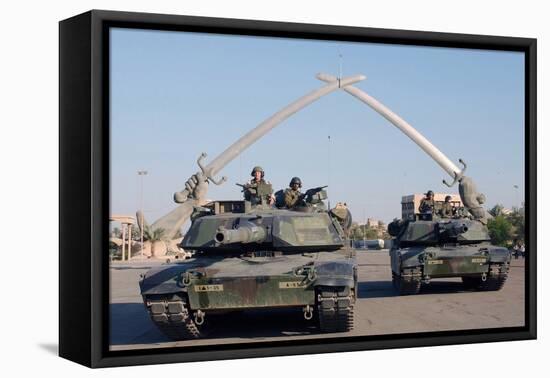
point(402, 125)
point(188, 198)
point(471, 198)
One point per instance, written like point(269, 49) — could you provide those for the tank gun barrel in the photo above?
point(243, 234)
point(454, 229)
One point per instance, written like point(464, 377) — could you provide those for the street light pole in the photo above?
point(517, 196)
point(365, 228)
point(141, 174)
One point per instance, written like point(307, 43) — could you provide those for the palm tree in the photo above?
point(496, 210)
point(153, 235)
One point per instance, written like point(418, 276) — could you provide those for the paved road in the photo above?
point(442, 305)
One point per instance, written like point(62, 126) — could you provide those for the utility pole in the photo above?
point(141, 174)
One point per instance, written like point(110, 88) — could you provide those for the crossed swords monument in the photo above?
point(196, 186)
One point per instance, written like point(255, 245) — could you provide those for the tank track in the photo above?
point(408, 282)
point(496, 277)
point(173, 317)
point(335, 309)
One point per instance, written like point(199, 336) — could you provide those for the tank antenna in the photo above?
point(340, 73)
point(340, 64)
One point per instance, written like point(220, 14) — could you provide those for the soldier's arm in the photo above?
point(289, 198)
point(270, 188)
point(248, 190)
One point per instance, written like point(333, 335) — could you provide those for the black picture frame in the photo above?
point(84, 186)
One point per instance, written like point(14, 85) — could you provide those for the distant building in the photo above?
point(411, 202)
point(506, 211)
point(373, 223)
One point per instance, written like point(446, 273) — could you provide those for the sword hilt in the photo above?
point(458, 175)
point(204, 175)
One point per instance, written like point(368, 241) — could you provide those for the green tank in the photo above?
point(257, 257)
point(429, 247)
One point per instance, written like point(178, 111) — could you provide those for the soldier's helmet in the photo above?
point(257, 169)
point(429, 193)
point(295, 180)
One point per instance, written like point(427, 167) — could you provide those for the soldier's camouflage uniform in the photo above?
point(446, 210)
point(292, 198)
point(251, 193)
point(426, 206)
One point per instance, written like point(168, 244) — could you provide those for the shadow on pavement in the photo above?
point(443, 287)
point(130, 324)
point(52, 348)
point(375, 289)
point(131, 267)
point(384, 289)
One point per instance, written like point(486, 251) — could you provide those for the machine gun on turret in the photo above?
point(310, 200)
point(314, 195)
point(257, 193)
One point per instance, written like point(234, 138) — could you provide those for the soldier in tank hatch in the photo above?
point(292, 195)
point(447, 209)
point(258, 184)
point(427, 205)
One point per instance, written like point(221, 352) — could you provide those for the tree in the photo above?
point(153, 235)
point(505, 227)
point(357, 233)
point(371, 233)
point(136, 233)
point(517, 219)
point(500, 230)
point(385, 235)
point(116, 233)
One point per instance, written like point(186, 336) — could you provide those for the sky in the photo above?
point(175, 95)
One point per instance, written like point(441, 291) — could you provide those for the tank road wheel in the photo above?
point(408, 282)
point(497, 276)
point(173, 317)
point(335, 308)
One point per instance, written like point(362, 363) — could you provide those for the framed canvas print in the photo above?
point(234, 188)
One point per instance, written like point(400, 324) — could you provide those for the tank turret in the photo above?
point(265, 229)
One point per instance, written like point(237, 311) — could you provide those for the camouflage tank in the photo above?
point(428, 247)
point(256, 257)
